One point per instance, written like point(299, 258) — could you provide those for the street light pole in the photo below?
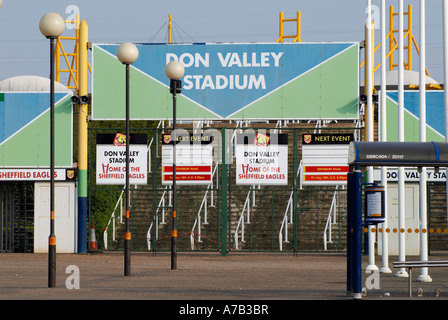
point(127, 235)
point(174, 71)
point(127, 53)
point(52, 25)
point(52, 237)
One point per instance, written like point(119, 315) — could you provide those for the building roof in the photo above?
point(411, 77)
point(29, 83)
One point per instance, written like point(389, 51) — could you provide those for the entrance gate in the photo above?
point(224, 215)
point(16, 216)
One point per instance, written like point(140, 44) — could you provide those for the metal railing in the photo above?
point(120, 199)
point(289, 208)
point(331, 216)
point(243, 222)
point(203, 205)
point(161, 204)
point(119, 204)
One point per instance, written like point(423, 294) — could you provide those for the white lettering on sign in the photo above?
point(200, 82)
point(232, 59)
point(227, 60)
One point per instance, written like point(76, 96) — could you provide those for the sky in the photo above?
point(24, 50)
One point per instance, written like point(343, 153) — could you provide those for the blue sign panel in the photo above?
point(224, 79)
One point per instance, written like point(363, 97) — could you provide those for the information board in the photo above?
point(111, 159)
point(194, 159)
point(324, 159)
point(261, 159)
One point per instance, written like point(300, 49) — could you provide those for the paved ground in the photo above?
point(201, 276)
point(198, 276)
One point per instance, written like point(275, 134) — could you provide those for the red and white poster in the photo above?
point(36, 174)
point(111, 159)
point(261, 159)
point(193, 159)
point(324, 159)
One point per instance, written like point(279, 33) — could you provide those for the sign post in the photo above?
point(354, 229)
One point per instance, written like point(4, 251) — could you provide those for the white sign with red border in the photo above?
point(111, 159)
point(261, 159)
point(193, 159)
point(324, 159)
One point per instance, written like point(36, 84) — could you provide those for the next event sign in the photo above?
point(193, 158)
point(325, 158)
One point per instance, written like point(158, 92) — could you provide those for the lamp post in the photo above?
point(174, 71)
point(52, 26)
point(127, 53)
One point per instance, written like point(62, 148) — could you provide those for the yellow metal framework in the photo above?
point(170, 27)
point(297, 37)
point(393, 43)
point(71, 59)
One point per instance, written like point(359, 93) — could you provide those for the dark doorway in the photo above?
point(16, 216)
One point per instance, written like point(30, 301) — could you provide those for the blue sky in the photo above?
point(24, 51)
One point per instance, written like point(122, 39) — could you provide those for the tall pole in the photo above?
point(174, 88)
point(52, 237)
point(401, 191)
point(224, 188)
point(424, 277)
point(127, 235)
point(354, 226)
point(369, 115)
point(82, 138)
point(127, 53)
point(383, 134)
point(445, 75)
point(174, 70)
point(52, 26)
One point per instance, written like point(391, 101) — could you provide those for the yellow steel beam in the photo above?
point(298, 36)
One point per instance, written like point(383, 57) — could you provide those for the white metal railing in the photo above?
point(112, 219)
point(161, 204)
point(120, 199)
point(161, 124)
point(289, 208)
point(331, 217)
point(246, 207)
point(197, 222)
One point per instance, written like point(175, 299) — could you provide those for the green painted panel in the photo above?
point(329, 91)
point(30, 147)
point(411, 125)
point(144, 93)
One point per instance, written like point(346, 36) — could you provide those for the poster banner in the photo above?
point(194, 159)
point(261, 159)
point(325, 159)
point(111, 159)
point(36, 174)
